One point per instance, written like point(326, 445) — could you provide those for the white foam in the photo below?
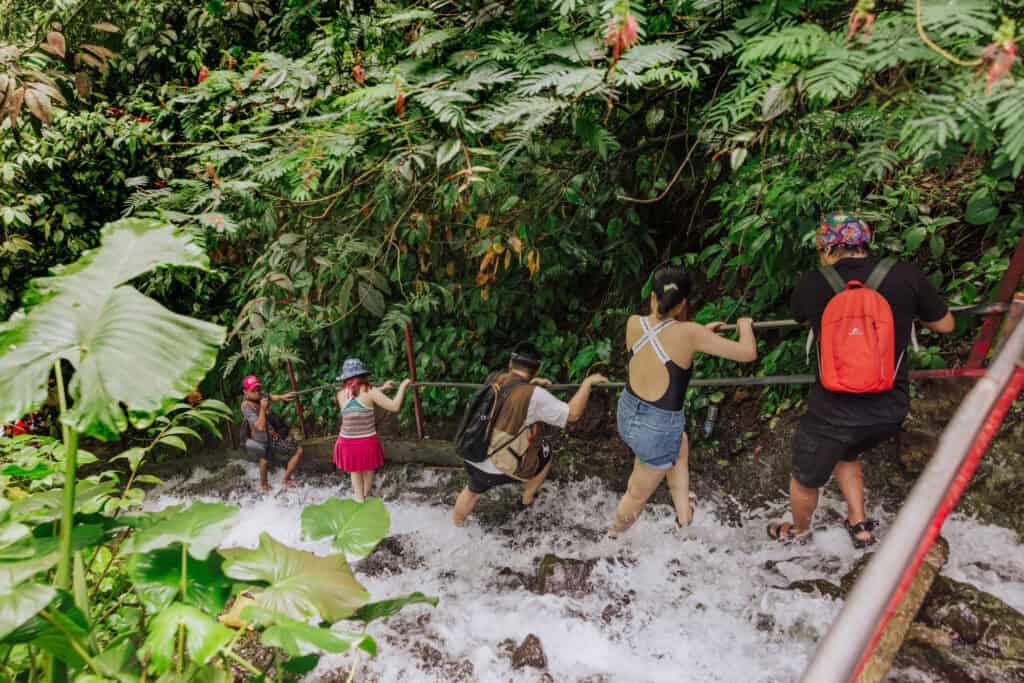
point(707, 602)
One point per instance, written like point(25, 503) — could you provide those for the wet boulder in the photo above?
point(530, 653)
point(392, 555)
point(563, 576)
point(977, 618)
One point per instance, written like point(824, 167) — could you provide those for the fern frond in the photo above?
point(793, 43)
point(956, 18)
point(485, 76)
point(720, 46)
point(1009, 118)
point(527, 110)
point(839, 75)
point(580, 50)
point(428, 41)
point(444, 105)
point(407, 17)
point(566, 81)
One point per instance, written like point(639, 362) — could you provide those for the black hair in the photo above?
point(671, 286)
point(844, 250)
point(526, 355)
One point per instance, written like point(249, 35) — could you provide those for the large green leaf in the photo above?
point(157, 578)
point(204, 637)
point(386, 608)
point(19, 603)
point(53, 634)
point(201, 528)
point(13, 573)
point(126, 348)
point(301, 585)
point(357, 528)
point(47, 507)
point(298, 638)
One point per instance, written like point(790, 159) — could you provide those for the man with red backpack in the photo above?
point(861, 309)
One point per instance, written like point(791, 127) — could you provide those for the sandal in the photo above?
point(867, 526)
point(785, 533)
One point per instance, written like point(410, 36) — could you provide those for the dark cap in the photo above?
point(525, 353)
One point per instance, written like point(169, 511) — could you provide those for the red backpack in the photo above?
point(857, 352)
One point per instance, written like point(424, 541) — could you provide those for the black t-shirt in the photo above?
point(911, 296)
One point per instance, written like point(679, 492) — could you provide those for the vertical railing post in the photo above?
point(1011, 280)
point(411, 358)
point(298, 401)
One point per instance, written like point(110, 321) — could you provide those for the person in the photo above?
point(661, 348)
point(266, 432)
point(520, 452)
point(358, 450)
point(839, 426)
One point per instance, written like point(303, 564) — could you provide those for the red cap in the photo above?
point(251, 382)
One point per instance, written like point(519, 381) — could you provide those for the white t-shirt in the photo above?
point(544, 407)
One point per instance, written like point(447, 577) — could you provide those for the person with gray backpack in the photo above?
point(501, 439)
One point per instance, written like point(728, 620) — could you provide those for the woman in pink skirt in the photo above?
point(358, 450)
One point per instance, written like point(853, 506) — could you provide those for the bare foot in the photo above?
point(265, 488)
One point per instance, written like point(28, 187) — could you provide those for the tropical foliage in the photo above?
point(487, 171)
point(89, 593)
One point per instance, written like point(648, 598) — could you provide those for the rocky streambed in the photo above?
point(544, 595)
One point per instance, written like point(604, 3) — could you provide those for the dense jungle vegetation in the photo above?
point(487, 170)
point(195, 191)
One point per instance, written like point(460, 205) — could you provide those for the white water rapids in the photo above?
point(703, 604)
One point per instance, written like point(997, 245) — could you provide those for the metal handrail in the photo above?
point(844, 650)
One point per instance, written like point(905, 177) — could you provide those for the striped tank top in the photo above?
point(357, 421)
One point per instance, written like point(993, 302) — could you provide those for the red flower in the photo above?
point(159, 183)
point(358, 73)
point(622, 34)
point(399, 101)
point(862, 17)
point(203, 73)
point(999, 57)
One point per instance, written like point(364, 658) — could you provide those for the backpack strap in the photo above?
point(833, 278)
point(880, 272)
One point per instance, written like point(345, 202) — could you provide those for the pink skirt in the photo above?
point(358, 455)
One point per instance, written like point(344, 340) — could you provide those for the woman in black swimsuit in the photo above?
point(650, 416)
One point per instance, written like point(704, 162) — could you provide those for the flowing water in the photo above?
point(708, 603)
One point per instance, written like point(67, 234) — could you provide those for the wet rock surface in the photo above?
point(392, 555)
point(563, 576)
point(530, 653)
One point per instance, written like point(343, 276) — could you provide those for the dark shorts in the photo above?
point(481, 482)
point(280, 449)
point(819, 446)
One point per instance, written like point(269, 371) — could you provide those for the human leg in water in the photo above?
point(464, 505)
point(642, 483)
point(850, 476)
point(531, 487)
point(357, 486)
point(292, 464)
point(802, 502)
point(367, 482)
point(678, 479)
point(264, 486)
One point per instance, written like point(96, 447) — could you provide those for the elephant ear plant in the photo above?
point(90, 594)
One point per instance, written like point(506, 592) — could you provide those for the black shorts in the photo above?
point(280, 449)
point(818, 447)
point(481, 482)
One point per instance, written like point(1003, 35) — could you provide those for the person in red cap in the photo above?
point(861, 309)
point(266, 434)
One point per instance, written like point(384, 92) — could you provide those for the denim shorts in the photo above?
point(653, 434)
